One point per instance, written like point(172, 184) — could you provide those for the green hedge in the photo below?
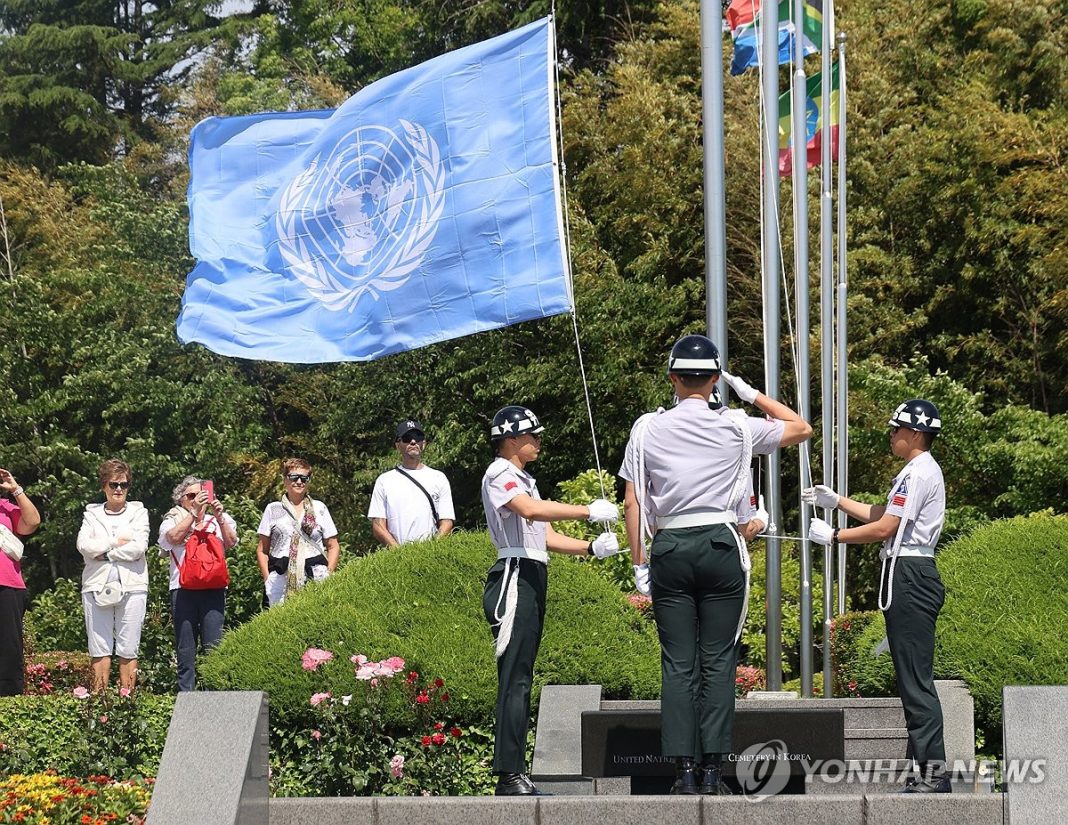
point(1006, 610)
point(874, 675)
point(105, 734)
point(423, 602)
point(846, 633)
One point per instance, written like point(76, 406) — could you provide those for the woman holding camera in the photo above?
point(298, 539)
point(18, 517)
point(113, 540)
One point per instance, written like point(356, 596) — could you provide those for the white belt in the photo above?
point(924, 552)
point(522, 553)
point(695, 519)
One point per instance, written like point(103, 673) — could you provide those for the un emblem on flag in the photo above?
point(361, 219)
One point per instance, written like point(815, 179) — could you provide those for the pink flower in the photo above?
point(382, 669)
point(124, 692)
point(374, 683)
point(396, 766)
point(366, 671)
point(394, 663)
point(358, 659)
point(103, 719)
point(318, 698)
point(80, 692)
point(313, 657)
point(317, 734)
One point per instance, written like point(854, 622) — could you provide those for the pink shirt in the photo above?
point(10, 571)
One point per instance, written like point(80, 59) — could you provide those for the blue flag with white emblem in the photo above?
point(426, 207)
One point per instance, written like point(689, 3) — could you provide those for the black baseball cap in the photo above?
point(406, 426)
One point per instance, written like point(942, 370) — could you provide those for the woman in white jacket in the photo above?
point(113, 540)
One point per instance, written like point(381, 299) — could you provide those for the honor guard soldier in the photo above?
point(910, 589)
point(690, 478)
point(514, 597)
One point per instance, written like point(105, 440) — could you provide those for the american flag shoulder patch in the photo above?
point(898, 500)
point(511, 485)
point(900, 494)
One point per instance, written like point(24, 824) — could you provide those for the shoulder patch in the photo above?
point(511, 485)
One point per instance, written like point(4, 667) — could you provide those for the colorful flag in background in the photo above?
point(743, 17)
point(816, 124)
point(426, 207)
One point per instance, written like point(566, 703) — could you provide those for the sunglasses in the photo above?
point(299, 478)
point(414, 437)
point(191, 495)
point(118, 485)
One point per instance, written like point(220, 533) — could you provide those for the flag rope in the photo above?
point(567, 247)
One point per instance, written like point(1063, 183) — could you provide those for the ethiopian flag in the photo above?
point(817, 122)
point(743, 18)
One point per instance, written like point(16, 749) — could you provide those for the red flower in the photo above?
point(456, 733)
point(412, 677)
point(445, 697)
point(426, 741)
point(422, 698)
point(438, 738)
point(439, 726)
point(439, 683)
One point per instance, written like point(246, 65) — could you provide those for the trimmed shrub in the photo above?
point(56, 671)
point(1005, 612)
point(423, 602)
point(871, 675)
point(101, 734)
point(846, 631)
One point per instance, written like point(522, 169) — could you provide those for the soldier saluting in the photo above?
point(514, 597)
point(910, 590)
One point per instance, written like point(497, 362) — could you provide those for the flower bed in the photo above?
point(49, 799)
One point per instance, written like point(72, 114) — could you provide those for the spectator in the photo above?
point(411, 501)
point(113, 540)
point(18, 517)
point(298, 539)
point(198, 614)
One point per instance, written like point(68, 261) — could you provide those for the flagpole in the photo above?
point(799, 155)
point(715, 199)
point(827, 333)
point(769, 46)
point(843, 357)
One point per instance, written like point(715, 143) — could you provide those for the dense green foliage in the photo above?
point(423, 602)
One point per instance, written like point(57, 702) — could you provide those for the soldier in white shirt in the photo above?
point(693, 477)
point(910, 590)
point(412, 501)
point(514, 596)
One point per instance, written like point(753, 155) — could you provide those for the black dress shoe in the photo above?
point(685, 778)
point(711, 782)
point(936, 784)
point(516, 784)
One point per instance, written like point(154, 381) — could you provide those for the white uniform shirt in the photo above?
point(279, 526)
point(178, 549)
point(407, 511)
point(629, 469)
point(918, 495)
point(502, 482)
point(692, 455)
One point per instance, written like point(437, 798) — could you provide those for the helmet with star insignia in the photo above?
point(919, 415)
point(514, 420)
point(694, 355)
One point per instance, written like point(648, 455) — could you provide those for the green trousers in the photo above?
point(515, 667)
point(910, 628)
point(698, 586)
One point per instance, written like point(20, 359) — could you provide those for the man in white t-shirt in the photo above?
point(411, 501)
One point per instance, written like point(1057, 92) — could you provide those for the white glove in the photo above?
point(605, 545)
point(739, 387)
point(820, 496)
point(641, 578)
point(603, 510)
point(761, 515)
point(820, 531)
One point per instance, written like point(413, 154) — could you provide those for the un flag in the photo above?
point(426, 207)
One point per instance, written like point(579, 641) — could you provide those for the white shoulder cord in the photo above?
point(509, 595)
point(739, 419)
point(885, 580)
point(644, 530)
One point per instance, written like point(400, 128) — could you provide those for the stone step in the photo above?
point(812, 809)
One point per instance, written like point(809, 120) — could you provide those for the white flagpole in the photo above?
point(715, 199)
point(843, 356)
point(769, 51)
point(827, 330)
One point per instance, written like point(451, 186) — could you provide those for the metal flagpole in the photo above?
point(843, 358)
point(715, 199)
point(799, 155)
point(827, 330)
point(769, 51)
